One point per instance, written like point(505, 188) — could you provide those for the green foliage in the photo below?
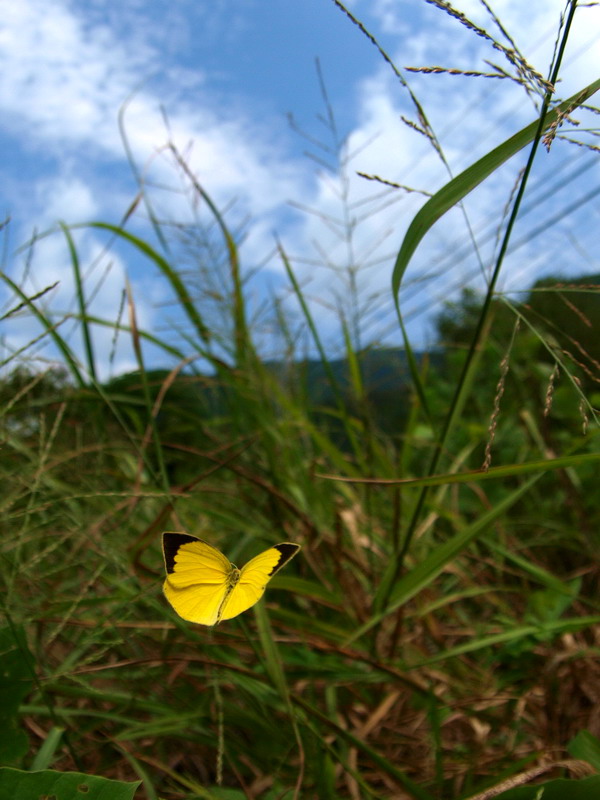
point(567, 311)
point(586, 747)
point(584, 789)
point(15, 684)
point(52, 785)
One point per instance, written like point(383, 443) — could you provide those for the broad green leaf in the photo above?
point(16, 784)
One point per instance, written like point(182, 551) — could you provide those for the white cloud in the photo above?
point(68, 81)
point(66, 198)
point(65, 82)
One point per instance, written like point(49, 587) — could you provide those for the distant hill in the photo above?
point(382, 370)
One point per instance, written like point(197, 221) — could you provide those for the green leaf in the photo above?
point(45, 754)
point(548, 605)
point(586, 747)
point(456, 189)
point(51, 785)
point(15, 684)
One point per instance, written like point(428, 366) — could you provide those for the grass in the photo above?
point(435, 637)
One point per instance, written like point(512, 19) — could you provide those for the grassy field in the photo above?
point(438, 634)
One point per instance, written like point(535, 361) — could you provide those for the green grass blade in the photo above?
point(427, 571)
point(49, 327)
point(335, 387)
point(353, 365)
point(142, 195)
point(312, 327)
point(274, 665)
point(536, 572)
point(413, 365)
point(243, 341)
point(548, 629)
point(412, 788)
point(150, 338)
point(458, 188)
point(150, 411)
point(45, 755)
point(269, 648)
point(85, 327)
point(167, 270)
point(477, 476)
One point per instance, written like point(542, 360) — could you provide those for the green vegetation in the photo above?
point(438, 634)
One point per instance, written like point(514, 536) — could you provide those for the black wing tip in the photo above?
point(288, 548)
point(287, 551)
point(172, 541)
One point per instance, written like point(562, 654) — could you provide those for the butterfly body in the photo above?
point(233, 577)
point(203, 586)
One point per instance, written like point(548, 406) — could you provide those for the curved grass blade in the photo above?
point(150, 338)
point(475, 476)
point(171, 274)
point(335, 386)
point(458, 188)
point(50, 328)
point(151, 415)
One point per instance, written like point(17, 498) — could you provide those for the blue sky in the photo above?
point(226, 74)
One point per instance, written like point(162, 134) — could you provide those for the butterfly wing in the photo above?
point(254, 577)
point(198, 578)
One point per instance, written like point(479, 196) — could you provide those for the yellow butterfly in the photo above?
point(203, 586)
